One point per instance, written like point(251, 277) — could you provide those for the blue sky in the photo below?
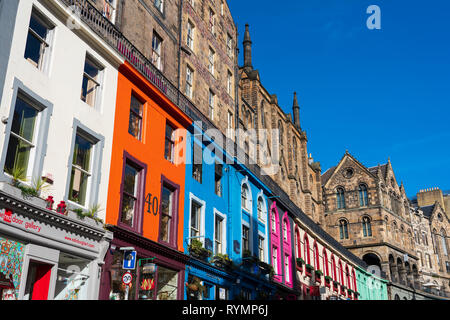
point(376, 93)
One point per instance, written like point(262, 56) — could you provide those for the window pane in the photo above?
point(24, 120)
point(166, 214)
point(89, 86)
point(128, 209)
point(35, 47)
point(134, 127)
point(82, 153)
point(18, 155)
point(78, 186)
point(129, 185)
point(167, 284)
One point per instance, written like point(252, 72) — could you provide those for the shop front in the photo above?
point(157, 274)
point(46, 255)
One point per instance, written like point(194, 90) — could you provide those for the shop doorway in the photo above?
point(38, 281)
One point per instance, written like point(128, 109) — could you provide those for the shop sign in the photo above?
point(127, 278)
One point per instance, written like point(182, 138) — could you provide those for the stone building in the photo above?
point(368, 212)
point(209, 60)
point(431, 227)
point(298, 175)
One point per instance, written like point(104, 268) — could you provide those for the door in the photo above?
point(38, 281)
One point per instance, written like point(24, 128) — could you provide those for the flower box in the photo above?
point(308, 268)
point(328, 281)
point(318, 275)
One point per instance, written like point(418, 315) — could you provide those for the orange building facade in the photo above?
point(146, 193)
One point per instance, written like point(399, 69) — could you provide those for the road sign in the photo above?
point(129, 260)
point(127, 278)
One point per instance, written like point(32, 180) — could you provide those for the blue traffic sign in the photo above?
point(129, 260)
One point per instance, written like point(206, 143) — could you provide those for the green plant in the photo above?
point(318, 272)
point(94, 210)
point(18, 174)
point(196, 247)
point(28, 192)
point(328, 278)
point(309, 267)
point(300, 261)
point(80, 213)
point(38, 184)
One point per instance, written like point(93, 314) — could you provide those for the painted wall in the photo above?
point(57, 89)
point(370, 287)
point(149, 151)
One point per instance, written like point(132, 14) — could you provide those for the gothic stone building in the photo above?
point(368, 212)
point(298, 175)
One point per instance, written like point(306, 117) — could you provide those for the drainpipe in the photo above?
point(180, 34)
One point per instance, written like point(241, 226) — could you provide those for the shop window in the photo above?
point(11, 262)
point(135, 122)
point(221, 293)
point(167, 284)
point(22, 138)
point(72, 278)
point(91, 81)
point(38, 40)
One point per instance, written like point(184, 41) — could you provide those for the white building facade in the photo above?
point(58, 97)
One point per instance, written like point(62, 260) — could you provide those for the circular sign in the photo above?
point(127, 278)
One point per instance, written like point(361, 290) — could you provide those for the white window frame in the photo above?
point(190, 38)
point(287, 274)
point(264, 248)
point(189, 81)
point(156, 52)
point(98, 81)
point(224, 231)
point(112, 4)
point(229, 82)
point(211, 60)
point(193, 198)
point(44, 59)
point(212, 98)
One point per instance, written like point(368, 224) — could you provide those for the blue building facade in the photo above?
point(226, 225)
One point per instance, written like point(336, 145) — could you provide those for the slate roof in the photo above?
point(373, 170)
point(428, 210)
point(327, 175)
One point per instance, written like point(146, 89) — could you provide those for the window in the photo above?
point(261, 248)
point(425, 238)
point(306, 248)
point(190, 36)
point(109, 10)
point(298, 246)
point(91, 82)
point(168, 212)
point(285, 230)
point(159, 4)
point(156, 50)
point(280, 132)
point(273, 222)
point(230, 120)
point(244, 197)
point(189, 81)
point(229, 83)
point(275, 260)
point(287, 269)
point(38, 40)
point(130, 193)
point(367, 228)
point(444, 242)
point(21, 140)
point(316, 257)
point(195, 219)
point(81, 169)
point(218, 179)
point(135, 123)
point(343, 229)
point(261, 209)
point(212, 21)
point(429, 261)
point(325, 263)
point(363, 199)
point(218, 237)
point(229, 45)
point(169, 143)
point(340, 196)
point(197, 155)
point(211, 105)
point(211, 57)
point(245, 238)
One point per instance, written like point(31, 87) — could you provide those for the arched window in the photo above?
point(285, 230)
point(333, 267)
point(306, 247)
point(367, 227)
point(244, 196)
point(341, 273)
point(347, 274)
point(444, 242)
point(261, 209)
point(280, 132)
point(298, 249)
point(363, 199)
point(340, 198)
point(343, 229)
point(316, 257)
point(273, 219)
point(325, 262)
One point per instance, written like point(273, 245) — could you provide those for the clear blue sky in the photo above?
point(377, 93)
